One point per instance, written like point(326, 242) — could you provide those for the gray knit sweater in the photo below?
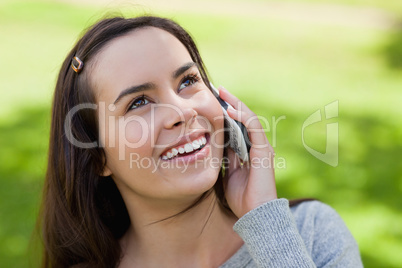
point(310, 234)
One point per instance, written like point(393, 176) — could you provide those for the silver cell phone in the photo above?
point(238, 137)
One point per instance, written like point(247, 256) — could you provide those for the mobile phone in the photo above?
point(239, 140)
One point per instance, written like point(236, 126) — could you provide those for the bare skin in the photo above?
point(203, 236)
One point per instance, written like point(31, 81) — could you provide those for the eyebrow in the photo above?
point(148, 86)
point(132, 90)
point(183, 69)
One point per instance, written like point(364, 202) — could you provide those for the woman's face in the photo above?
point(154, 109)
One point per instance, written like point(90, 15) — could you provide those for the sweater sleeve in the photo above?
point(272, 237)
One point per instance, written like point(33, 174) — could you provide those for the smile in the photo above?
point(185, 149)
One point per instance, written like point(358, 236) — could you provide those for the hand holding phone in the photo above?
point(238, 137)
point(253, 184)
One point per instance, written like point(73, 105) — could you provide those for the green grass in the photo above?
point(277, 67)
point(392, 6)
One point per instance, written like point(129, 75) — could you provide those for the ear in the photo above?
point(106, 172)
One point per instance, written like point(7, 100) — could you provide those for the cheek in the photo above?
point(210, 108)
point(212, 111)
point(134, 137)
point(127, 137)
point(134, 131)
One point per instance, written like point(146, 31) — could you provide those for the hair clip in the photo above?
point(77, 65)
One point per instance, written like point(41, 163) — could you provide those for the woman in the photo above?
point(139, 173)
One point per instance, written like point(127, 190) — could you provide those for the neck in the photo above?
point(201, 237)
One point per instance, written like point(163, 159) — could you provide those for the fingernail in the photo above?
point(220, 89)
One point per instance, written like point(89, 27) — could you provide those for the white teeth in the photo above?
point(201, 141)
point(204, 140)
point(188, 147)
point(196, 144)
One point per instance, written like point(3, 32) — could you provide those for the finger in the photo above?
point(243, 114)
point(254, 128)
point(233, 100)
point(249, 119)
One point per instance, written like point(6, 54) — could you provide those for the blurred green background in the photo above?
point(288, 58)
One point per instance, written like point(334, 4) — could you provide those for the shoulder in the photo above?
point(310, 232)
point(317, 217)
point(312, 211)
point(324, 233)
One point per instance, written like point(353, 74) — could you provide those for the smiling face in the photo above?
point(162, 128)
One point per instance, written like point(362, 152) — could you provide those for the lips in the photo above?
point(187, 145)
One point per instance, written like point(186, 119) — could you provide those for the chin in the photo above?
point(209, 181)
point(199, 182)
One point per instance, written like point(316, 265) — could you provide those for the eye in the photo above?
point(138, 102)
point(188, 81)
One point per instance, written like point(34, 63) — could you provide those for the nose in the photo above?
point(179, 115)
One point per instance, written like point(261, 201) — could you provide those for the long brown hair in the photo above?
point(83, 214)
